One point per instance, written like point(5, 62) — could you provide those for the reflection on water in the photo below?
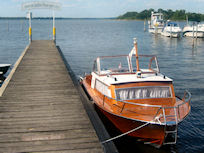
point(83, 40)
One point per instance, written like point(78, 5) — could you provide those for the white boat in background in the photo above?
point(157, 23)
point(195, 30)
point(4, 68)
point(171, 30)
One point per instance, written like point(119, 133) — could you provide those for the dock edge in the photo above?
point(93, 116)
point(8, 78)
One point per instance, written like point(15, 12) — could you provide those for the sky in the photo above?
point(99, 8)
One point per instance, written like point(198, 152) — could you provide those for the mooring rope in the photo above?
point(137, 128)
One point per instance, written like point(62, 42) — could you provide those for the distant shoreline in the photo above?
point(63, 18)
point(59, 18)
point(177, 15)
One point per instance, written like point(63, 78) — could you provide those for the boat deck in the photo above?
point(41, 110)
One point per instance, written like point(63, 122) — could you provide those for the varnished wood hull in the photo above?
point(151, 133)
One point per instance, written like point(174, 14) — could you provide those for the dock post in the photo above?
point(144, 25)
point(196, 30)
point(21, 25)
point(8, 26)
point(54, 28)
point(193, 33)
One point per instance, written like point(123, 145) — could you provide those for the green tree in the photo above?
point(168, 15)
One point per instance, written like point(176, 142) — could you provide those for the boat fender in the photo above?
point(164, 77)
point(139, 74)
point(81, 79)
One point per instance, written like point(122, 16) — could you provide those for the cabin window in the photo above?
point(102, 88)
point(143, 93)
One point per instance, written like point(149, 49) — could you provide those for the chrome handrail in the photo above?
point(157, 106)
point(97, 64)
point(184, 99)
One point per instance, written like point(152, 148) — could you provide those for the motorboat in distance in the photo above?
point(4, 68)
point(156, 24)
point(195, 30)
point(171, 29)
point(136, 97)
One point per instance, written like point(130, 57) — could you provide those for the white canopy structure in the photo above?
point(40, 4)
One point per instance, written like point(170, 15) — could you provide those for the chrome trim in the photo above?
point(155, 106)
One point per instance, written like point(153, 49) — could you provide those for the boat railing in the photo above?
point(186, 100)
point(100, 69)
point(161, 114)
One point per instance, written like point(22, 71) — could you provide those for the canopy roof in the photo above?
point(41, 5)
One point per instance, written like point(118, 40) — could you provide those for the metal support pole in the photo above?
point(54, 29)
point(30, 28)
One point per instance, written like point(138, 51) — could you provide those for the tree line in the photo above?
point(168, 15)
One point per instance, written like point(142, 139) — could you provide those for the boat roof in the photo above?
point(120, 78)
point(157, 13)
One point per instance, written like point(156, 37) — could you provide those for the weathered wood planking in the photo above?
point(41, 111)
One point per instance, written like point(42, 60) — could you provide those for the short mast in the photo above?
point(136, 54)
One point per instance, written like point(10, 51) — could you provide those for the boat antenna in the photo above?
point(136, 54)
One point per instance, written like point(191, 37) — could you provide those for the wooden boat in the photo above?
point(137, 98)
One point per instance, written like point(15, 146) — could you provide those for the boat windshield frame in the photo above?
point(173, 24)
point(97, 64)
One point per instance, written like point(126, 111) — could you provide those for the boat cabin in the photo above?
point(117, 77)
point(157, 16)
point(157, 19)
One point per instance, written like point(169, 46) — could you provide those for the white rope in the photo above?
point(137, 128)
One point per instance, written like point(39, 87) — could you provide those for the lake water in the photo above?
point(83, 40)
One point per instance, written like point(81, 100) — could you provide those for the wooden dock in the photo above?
point(41, 110)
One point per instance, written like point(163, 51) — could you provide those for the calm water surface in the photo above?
point(83, 40)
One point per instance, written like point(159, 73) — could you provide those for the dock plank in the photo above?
point(41, 111)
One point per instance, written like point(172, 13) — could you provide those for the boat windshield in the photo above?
point(143, 92)
point(172, 24)
point(124, 64)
